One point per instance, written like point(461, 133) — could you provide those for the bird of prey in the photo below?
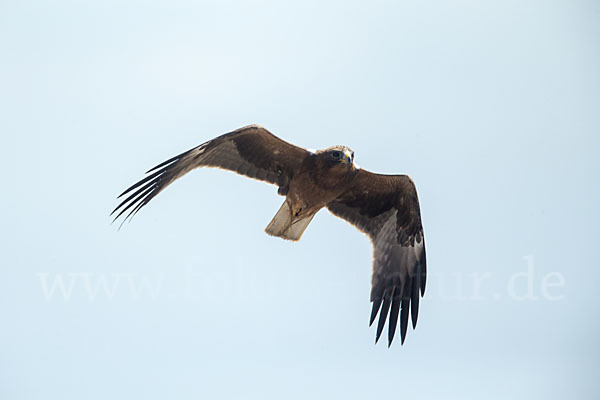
point(385, 207)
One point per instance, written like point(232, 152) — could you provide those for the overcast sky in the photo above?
point(492, 107)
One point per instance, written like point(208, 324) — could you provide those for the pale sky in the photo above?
point(492, 107)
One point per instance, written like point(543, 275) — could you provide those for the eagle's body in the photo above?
point(385, 207)
point(310, 190)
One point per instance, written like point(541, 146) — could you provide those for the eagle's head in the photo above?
point(338, 157)
point(333, 167)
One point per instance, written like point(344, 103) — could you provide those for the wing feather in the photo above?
point(251, 151)
point(386, 208)
point(385, 308)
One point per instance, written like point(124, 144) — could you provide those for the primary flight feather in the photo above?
point(385, 207)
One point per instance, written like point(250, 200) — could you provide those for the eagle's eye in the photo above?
point(336, 155)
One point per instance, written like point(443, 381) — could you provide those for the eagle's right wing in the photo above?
point(386, 208)
point(251, 151)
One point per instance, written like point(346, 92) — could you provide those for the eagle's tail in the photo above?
point(286, 226)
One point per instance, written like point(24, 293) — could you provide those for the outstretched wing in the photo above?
point(386, 208)
point(251, 151)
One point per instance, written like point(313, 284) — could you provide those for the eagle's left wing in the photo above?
point(386, 208)
point(252, 151)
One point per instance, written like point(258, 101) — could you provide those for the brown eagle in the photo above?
point(385, 207)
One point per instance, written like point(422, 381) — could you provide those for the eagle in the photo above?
point(384, 207)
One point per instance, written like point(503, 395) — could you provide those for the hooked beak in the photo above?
point(347, 157)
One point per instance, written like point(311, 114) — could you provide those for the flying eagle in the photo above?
point(385, 207)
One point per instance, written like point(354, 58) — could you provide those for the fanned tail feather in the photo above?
point(284, 225)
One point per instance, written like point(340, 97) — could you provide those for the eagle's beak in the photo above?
point(348, 157)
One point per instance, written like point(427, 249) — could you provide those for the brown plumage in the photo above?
point(385, 207)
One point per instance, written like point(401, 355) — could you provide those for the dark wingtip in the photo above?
point(169, 161)
point(141, 197)
point(385, 308)
point(423, 272)
point(414, 305)
point(377, 336)
point(141, 182)
point(375, 310)
point(404, 317)
point(393, 320)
